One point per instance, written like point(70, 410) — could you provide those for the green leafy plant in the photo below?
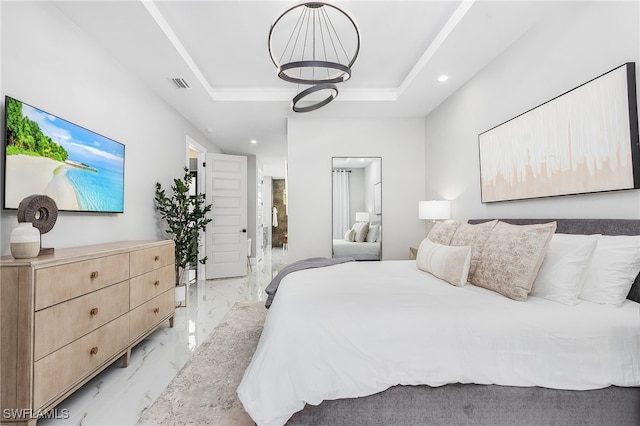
point(185, 216)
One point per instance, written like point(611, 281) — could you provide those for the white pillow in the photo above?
point(372, 235)
point(564, 269)
point(361, 228)
point(445, 262)
point(614, 266)
point(350, 235)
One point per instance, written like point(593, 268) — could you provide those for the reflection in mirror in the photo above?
point(357, 207)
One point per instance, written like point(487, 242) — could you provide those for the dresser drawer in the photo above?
point(57, 372)
point(63, 323)
point(149, 314)
point(63, 282)
point(152, 258)
point(147, 286)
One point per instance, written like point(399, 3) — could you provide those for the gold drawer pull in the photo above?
point(93, 311)
point(94, 350)
point(156, 310)
point(157, 258)
point(94, 275)
point(156, 283)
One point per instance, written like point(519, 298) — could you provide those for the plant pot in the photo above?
point(181, 296)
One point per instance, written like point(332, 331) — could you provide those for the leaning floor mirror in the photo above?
point(357, 207)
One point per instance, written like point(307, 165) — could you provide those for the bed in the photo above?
point(386, 343)
point(356, 250)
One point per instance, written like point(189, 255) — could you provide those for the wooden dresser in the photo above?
point(67, 316)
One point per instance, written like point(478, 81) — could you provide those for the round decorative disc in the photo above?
point(40, 210)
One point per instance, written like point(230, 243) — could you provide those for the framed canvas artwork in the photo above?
point(585, 140)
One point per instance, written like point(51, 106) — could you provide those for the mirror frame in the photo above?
point(374, 206)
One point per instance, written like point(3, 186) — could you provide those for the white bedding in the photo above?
point(355, 329)
point(359, 251)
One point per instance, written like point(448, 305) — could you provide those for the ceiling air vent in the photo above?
point(180, 83)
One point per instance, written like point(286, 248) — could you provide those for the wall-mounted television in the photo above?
point(45, 154)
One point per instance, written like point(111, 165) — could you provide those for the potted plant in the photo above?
point(185, 215)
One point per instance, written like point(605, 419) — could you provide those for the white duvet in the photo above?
point(355, 329)
point(359, 251)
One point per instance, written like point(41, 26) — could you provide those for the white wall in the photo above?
point(50, 63)
point(356, 193)
point(267, 208)
point(312, 143)
point(372, 174)
point(254, 231)
point(561, 53)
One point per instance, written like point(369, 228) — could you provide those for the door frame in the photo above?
point(191, 144)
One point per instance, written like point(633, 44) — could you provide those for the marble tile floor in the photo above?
point(118, 396)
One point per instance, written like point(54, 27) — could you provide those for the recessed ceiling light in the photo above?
point(253, 141)
point(443, 77)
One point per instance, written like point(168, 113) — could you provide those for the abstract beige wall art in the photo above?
point(585, 140)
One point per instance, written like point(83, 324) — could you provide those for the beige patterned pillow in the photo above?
point(442, 232)
point(474, 236)
point(445, 262)
point(512, 257)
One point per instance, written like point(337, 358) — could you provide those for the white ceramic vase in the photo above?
point(25, 241)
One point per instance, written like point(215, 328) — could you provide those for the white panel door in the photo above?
point(226, 234)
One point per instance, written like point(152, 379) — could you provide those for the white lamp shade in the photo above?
point(362, 216)
point(434, 210)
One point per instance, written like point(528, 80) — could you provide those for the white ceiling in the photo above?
point(220, 49)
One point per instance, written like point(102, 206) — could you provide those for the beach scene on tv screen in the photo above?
point(79, 169)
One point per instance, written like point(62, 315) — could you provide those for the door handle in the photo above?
point(244, 230)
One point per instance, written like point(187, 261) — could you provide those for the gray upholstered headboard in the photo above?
point(588, 226)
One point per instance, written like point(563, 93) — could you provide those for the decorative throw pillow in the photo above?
point(564, 269)
point(361, 228)
point(512, 257)
point(372, 235)
point(442, 232)
point(614, 266)
point(350, 235)
point(445, 262)
point(474, 236)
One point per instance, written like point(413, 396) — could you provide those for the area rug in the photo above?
point(204, 390)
